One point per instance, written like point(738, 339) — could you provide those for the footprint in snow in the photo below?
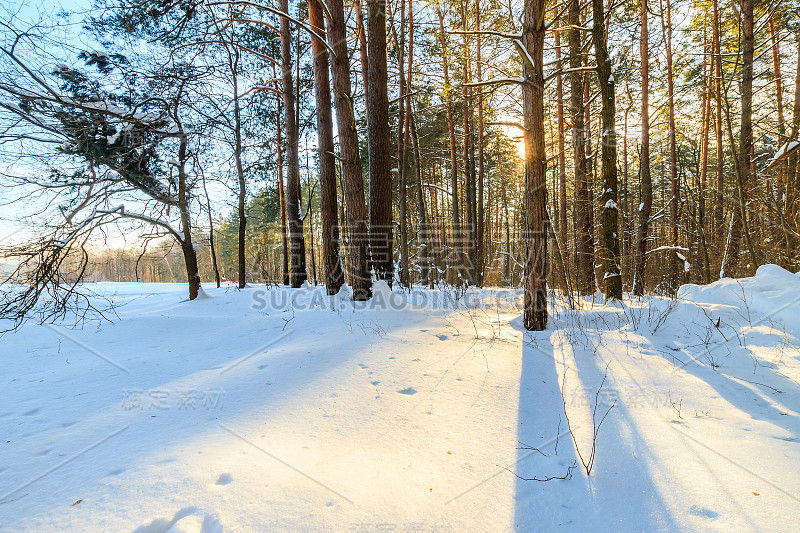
point(375, 383)
point(31, 412)
point(187, 520)
point(409, 391)
point(442, 337)
point(224, 479)
point(705, 513)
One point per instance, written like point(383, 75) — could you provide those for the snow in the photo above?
point(276, 409)
point(782, 151)
point(611, 204)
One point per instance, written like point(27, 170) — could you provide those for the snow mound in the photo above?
point(773, 291)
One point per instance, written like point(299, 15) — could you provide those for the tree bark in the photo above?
point(674, 264)
point(583, 219)
point(562, 154)
point(480, 252)
point(378, 142)
point(739, 223)
point(448, 98)
point(350, 157)
point(187, 246)
point(297, 257)
point(536, 220)
point(237, 155)
point(334, 275)
point(646, 182)
point(609, 236)
point(719, 226)
point(403, 140)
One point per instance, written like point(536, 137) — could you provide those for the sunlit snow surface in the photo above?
point(270, 409)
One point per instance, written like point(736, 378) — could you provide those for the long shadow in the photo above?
point(620, 494)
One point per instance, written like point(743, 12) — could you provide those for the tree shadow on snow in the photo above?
point(620, 494)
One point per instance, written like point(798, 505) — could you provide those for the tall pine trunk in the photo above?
point(674, 263)
point(334, 275)
point(583, 217)
point(536, 221)
point(350, 157)
point(378, 142)
point(646, 202)
point(451, 130)
point(609, 223)
point(297, 256)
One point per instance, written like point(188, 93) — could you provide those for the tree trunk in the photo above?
point(674, 263)
point(535, 283)
point(448, 90)
point(562, 154)
point(378, 142)
point(708, 70)
point(213, 250)
point(402, 147)
point(468, 262)
point(295, 222)
point(609, 236)
point(646, 182)
point(792, 172)
point(362, 45)
point(350, 157)
point(334, 275)
point(424, 232)
point(480, 240)
point(719, 226)
point(282, 195)
point(583, 218)
point(237, 154)
point(739, 223)
point(187, 246)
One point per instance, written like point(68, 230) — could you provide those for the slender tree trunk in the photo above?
point(562, 154)
point(424, 230)
point(739, 224)
point(792, 172)
point(237, 154)
point(609, 236)
point(675, 264)
point(719, 226)
point(402, 147)
point(776, 66)
point(469, 182)
point(536, 220)
point(214, 265)
point(187, 246)
point(350, 157)
point(646, 182)
point(362, 45)
point(480, 240)
point(282, 195)
point(583, 219)
point(334, 275)
point(295, 222)
point(708, 70)
point(378, 141)
point(448, 91)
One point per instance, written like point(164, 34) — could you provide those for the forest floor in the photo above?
point(267, 409)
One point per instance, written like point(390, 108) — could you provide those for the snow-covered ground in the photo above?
point(268, 409)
